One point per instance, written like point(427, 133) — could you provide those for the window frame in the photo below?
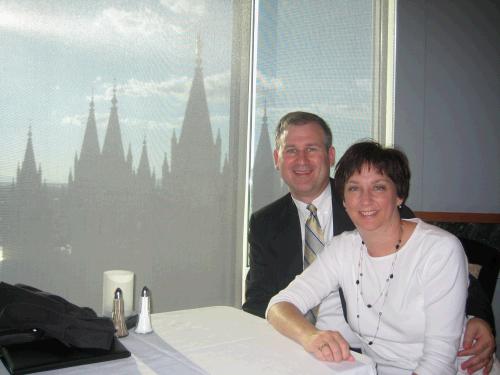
point(384, 55)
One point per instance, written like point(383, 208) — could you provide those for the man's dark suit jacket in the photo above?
point(276, 253)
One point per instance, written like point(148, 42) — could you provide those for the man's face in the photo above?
point(303, 161)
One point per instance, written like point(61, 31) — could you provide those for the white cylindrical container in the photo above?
point(117, 279)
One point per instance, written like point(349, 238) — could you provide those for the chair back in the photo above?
point(486, 260)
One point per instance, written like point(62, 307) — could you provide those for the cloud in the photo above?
point(80, 120)
point(133, 25)
point(359, 111)
point(216, 88)
point(123, 27)
point(220, 124)
point(75, 120)
point(185, 6)
point(221, 119)
point(266, 83)
point(176, 87)
point(145, 125)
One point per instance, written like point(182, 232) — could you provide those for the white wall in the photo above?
point(447, 113)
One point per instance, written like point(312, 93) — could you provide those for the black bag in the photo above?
point(28, 314)
point(40, 331)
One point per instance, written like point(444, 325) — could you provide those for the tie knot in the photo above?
point(312, 208)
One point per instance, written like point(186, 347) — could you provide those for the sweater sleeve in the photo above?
point(308, 289)
point(444, 280)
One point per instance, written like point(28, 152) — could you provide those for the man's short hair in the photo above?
point(301, 118)
point(388, 161)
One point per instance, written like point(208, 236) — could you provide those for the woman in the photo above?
point(405, 281)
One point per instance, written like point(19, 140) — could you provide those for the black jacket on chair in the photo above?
point(24, 309)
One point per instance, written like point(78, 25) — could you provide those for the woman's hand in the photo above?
point(328, 346)
point(325, 345)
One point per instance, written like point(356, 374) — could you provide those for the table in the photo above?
point(216, 340)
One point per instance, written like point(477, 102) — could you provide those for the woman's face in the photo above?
point(371, 200)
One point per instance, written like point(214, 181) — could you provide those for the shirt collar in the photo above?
point(323, 202)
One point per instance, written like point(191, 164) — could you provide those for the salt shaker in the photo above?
point(144, 324)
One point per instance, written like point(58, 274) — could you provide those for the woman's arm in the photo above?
point(286, 310)
point(325, 345)
point(444, 281)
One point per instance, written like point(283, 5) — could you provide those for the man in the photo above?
point(304, 155)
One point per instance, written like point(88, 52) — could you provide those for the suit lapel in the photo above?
point(288, 239)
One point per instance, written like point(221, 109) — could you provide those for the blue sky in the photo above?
point(313, 56)
point(56, 53)
point(317, 56)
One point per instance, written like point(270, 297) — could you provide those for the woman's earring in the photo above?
point(399, 206)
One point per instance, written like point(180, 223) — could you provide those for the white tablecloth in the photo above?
point(216, 340)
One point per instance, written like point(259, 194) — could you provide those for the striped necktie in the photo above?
point(313, 237)
point(313, 244)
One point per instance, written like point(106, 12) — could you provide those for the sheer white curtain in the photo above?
point(123, 128)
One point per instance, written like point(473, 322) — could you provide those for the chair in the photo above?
point(484, 264)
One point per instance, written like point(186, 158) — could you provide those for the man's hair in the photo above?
point(301, 118)
point(388, 161)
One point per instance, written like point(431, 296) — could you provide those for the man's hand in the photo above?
point(478, 343)
point(328, 346)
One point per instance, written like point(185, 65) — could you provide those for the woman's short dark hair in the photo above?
point(388, 161)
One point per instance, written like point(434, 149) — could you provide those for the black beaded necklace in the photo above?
point(383, 293)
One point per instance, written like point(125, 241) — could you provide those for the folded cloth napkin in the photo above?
point(24, 308)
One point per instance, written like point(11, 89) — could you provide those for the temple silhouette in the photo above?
point(111, 215)
point(267, 185)
point(172, 230)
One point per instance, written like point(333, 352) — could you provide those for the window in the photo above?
point(332, 58)
point(119, 148)
point(124, 132)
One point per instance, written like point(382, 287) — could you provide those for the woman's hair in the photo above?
point(390, 162)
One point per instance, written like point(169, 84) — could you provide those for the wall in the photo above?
point(447, 111)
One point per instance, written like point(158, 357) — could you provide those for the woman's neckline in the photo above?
point(407, 229)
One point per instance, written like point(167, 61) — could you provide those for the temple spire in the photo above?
point(29, 164)
point(164, 172)
point(112, 148)
point(264, 117)
point(115, 171)
point(266, 182)
point(144, 170)
point(29, 175)
point(114, 100)
point(86, 166)
point(198, 50)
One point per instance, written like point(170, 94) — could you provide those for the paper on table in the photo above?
point(358, 367)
